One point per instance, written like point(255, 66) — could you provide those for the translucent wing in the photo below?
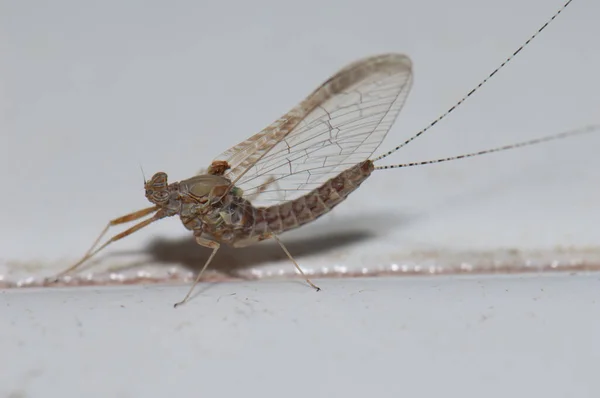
point(337, 126)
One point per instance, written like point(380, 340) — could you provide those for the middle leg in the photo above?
point(206, 243)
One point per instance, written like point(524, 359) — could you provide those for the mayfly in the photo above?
point(312, 158)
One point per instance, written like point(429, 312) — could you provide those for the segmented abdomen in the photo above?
point(297, 212)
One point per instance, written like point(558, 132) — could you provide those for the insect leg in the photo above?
point(271, 181)
point(136, 215)
point(206, 243)
point(295, 263)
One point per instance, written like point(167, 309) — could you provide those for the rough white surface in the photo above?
point(418, 337)
point(92, 93)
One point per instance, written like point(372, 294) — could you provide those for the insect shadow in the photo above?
point(334, 233)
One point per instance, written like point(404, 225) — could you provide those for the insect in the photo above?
point(305, 163)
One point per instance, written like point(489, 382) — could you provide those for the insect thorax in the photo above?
point(208, 204)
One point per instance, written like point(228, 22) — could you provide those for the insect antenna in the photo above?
point(547, 138)
point(481, 83)
point(143, 174)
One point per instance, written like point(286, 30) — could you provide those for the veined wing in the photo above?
point(337, 126)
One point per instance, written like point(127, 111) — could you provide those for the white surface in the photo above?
point(88, 92)
point(417, 337)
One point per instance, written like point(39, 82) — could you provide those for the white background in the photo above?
point(91, 91)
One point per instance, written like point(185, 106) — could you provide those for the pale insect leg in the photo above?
point(136, 215)
point(206, 243)
point(271, 181)
point(295, 263)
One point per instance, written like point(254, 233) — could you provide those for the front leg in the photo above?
point(206, 243)
point(92, 251)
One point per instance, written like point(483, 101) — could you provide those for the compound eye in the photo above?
point(161, 196)
point(158, 181)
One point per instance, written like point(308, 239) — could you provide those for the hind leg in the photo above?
point(270, 182)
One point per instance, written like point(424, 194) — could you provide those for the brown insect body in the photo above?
point(207, 206)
